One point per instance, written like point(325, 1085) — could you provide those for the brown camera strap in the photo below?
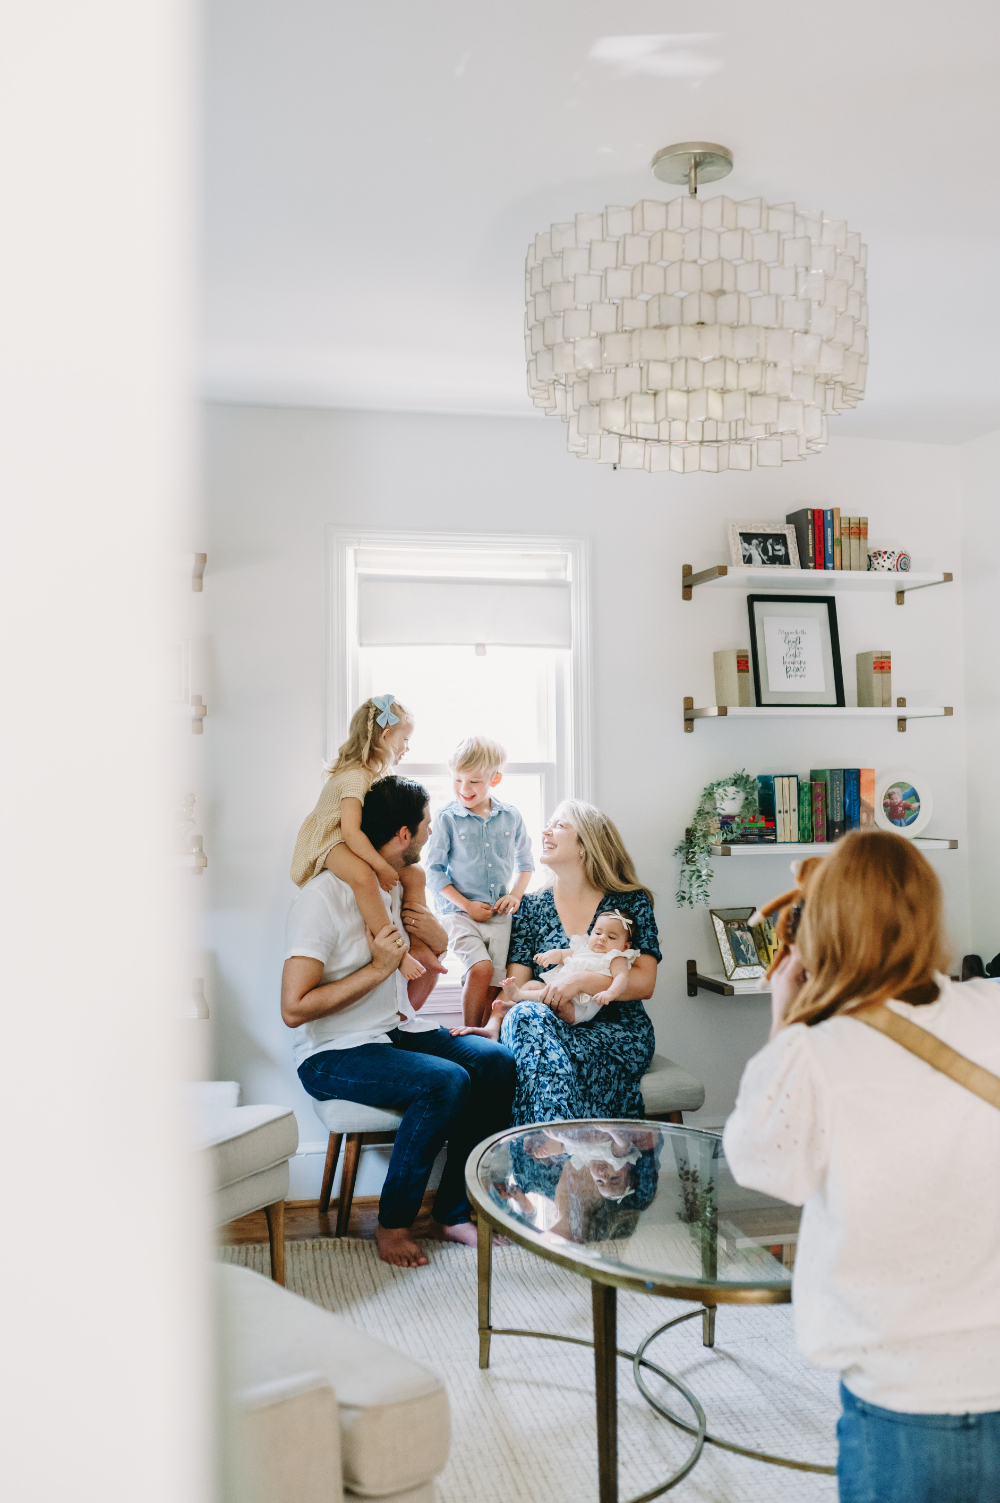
point(936, 1053)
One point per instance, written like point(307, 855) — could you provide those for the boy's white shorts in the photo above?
point(472, 942)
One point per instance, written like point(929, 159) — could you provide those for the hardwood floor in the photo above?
point(303, 1222)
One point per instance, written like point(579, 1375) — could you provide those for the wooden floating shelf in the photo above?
point(822, 580)
point(821, 848)
point(901, 713)
point(712, 982)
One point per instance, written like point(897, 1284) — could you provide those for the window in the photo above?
point(480, 635)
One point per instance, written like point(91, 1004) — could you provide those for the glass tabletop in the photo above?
point(642, 1203)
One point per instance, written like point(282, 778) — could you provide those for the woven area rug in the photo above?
point(523, 1431)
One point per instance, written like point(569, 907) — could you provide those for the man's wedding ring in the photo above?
point(399, 941)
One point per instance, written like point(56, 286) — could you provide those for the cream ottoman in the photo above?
point(393, 1413)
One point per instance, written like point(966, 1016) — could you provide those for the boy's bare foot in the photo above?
point(396, 1245)
point(511, 992)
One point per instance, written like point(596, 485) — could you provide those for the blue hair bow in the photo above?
point(384, 703)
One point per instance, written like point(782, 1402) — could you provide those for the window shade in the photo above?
point(429, 612)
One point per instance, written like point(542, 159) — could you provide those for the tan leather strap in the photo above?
point(936, 1053)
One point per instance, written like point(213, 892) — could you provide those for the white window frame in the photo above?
point(342, 650)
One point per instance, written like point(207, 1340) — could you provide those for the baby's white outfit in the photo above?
point(583, 958)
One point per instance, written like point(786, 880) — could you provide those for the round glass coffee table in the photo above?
point(644, 1206)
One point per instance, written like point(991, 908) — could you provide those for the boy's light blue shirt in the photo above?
point(476, 855)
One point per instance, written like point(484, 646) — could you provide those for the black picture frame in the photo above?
point(757, 607)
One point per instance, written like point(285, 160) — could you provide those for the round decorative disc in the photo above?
point(672, 164)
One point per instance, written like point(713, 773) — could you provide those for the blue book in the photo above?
point(828, 538)
point(765, 797)
point(852, 799)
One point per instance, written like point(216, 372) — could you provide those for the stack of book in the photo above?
point(817, 809)
point(875, 679)
point(829, 541)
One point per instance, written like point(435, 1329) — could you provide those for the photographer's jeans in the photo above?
point(889, 1457)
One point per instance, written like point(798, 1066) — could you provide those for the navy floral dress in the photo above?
point(567, 1070)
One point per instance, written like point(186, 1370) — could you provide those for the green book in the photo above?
point(822, 775)
point(805, 811)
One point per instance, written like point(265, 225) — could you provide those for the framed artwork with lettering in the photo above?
point(795, 649)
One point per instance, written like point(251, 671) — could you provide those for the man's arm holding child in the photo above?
point(304, 999)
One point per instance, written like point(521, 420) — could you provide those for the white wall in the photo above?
point(275, 478)
point(981, 599)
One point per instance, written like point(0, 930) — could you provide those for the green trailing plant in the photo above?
point(695, 877)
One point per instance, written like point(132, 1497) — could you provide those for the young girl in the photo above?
point(604, 951)
point(332, 837)
point(896, 1161)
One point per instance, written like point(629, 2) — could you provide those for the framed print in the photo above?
point(740, 960)
point(795, 650)
point(903, 802)
point(763, 545)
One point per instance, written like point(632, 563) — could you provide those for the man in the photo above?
point(357, 1037)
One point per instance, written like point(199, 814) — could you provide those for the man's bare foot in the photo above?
point(396, 1245)
point(462, 1231)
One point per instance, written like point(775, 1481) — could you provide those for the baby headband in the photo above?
point(626, 922)
point(384, 703)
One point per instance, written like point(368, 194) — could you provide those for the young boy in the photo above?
point(475, 846)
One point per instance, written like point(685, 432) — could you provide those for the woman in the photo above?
point(590, 1069)
point(897, 1277)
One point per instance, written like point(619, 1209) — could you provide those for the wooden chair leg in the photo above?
point(275, 1214)
point(332, 1155)
point(677, 1117)
point(348, 1178)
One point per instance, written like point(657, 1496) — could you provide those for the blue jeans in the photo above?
point(454, 1090)
point(889, 1457)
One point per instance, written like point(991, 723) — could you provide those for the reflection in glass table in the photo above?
point(644, 1206)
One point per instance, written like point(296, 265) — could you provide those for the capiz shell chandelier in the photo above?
point(697, 334)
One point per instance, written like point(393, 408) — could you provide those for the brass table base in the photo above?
point(606, 1352)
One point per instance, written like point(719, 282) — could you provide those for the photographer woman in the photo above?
point(897, 1164)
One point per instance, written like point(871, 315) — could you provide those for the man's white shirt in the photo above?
point(324, 924)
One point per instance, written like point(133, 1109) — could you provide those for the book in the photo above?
point(819, 811)
point(766, 799)
point(874, 678)
point(862, 542)
point(732, 676)
point(802, 521)
point(855, 542)
point(866, 782)
point(738, 829)
point(828, 538)
point(779, 809)
point(792, 807)
point(835, 810)
point(805, 811)
point(852, 798)
point(821, 776)
point(818, 538)
point(838, 561)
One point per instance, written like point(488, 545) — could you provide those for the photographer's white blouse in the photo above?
point(897, 1272)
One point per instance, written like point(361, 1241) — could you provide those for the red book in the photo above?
point(818, 538)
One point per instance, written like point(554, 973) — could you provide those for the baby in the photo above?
point(605, 951)
point(331, 836)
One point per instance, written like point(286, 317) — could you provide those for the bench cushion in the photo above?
point(394, 1420)
point(668, 1088)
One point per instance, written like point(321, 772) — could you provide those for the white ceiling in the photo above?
point(374, 171)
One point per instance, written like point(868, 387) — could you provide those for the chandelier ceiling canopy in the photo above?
point(696, 334)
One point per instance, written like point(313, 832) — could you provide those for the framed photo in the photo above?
point(903, 802)
point(795, 650)
point(763, 545)
point(740, 959)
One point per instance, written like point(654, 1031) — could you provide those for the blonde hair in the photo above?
point(607, 864)
point(477, 754)
point(364, 745)
point(871, 928)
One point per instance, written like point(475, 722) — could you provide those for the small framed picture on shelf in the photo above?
point(763, 545)
point(795, 650)
point(741, 960)
point(903, 802)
